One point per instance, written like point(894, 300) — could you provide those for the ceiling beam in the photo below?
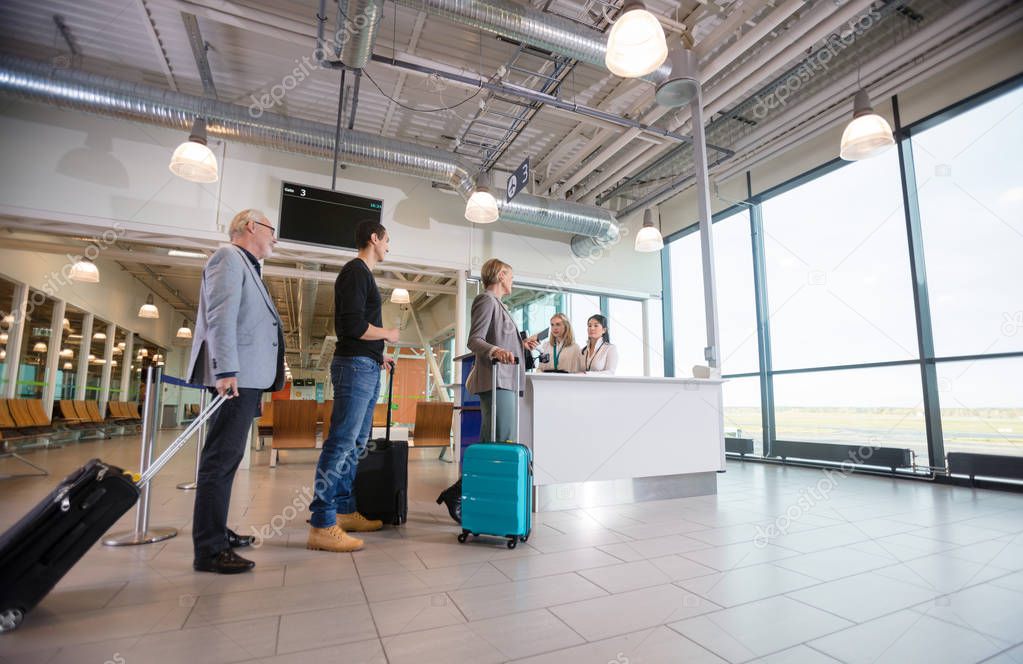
point(161, 52)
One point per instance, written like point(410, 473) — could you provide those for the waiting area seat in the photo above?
point(294, 426)
point(433, 423)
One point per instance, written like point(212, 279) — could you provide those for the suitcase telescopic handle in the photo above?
point(390, 394)
point(180, 441)
point(493, 396)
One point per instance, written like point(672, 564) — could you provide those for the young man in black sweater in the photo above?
point(355, 373)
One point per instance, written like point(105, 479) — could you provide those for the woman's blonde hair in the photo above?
point(491, 270)
point(569, 338)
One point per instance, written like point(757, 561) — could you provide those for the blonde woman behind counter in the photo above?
point(599, 355)
point(564, 352)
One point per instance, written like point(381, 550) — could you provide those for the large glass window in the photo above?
point(743, 416)
point(97, 347)
point(656, 313)
point(737, 320)
point(982, 405)
point(838, 277)
point(35, 346)
point(6, 321)
point(580, 308)
point(971, 211)
point(625, 326)
point(878, 406)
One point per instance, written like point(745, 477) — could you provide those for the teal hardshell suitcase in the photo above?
point(497, 486)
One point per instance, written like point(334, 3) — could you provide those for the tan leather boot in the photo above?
point(332, 539)
point(356, 523)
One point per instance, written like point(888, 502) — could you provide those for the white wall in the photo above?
point(43, 271)
point(117, 171)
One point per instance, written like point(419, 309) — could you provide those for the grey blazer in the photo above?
point(236, 327)
point(492, 327)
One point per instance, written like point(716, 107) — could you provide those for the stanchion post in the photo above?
point(204, 401)
point(150, 431)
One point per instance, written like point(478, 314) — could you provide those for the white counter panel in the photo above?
point(591, 428)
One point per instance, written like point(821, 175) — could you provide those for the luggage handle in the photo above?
point(493, 396)
point(390, 394)
point(180, 441)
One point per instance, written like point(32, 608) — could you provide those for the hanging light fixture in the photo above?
point(3, 354)
point(649, 238)
point(121, 345)
point(184, 332)
point(192, 160)
point(113, 363)
point(400, 296)
point(3, 337)
point(40, 347)
point(143, 352)
point(67, 325)
point(84, 270)
point(67, 366)
point(99, 336)
point(149, 310)
point(91, 358)
point(636, 45)
point(9, 319)
point(67, 353)
point(481, 208)
point(868, 135)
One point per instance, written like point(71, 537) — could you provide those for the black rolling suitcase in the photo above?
point(381, 480)
point(37, 551)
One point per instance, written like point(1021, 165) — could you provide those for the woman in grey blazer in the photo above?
point(492, 336)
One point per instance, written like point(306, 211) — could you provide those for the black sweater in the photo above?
point(357, 306)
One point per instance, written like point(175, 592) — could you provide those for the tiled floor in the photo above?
point(879, 570)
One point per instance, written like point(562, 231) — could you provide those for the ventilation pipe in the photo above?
point(357, 26)
point(81, 91)
point(530, 26)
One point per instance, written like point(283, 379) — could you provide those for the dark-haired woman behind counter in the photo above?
point(599, 355)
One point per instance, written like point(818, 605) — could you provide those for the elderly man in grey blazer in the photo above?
point(238, 351)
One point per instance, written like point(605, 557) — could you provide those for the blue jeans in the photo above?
point(356, 388)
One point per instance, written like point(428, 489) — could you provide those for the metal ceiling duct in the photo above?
point(78, 90)
point(361, 21)
point(530, 26)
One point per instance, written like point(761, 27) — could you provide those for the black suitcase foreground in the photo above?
point(381, 480)
point(37, 551)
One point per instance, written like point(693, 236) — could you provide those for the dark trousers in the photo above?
point(225, 446)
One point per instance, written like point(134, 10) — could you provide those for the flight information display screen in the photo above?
point(323, 217)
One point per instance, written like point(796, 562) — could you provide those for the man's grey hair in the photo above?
point(242, 219)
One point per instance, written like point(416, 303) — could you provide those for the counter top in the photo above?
point(624, 379)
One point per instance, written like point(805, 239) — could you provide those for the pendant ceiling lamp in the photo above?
point(636, 45)
point(649, 239)
point(400, 296)
point(193, 160)
point(149, 310)
point(184, 332)
point(85, 271)
point(868, 135)
point(481, 208)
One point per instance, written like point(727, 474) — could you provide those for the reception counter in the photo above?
point(606, 440)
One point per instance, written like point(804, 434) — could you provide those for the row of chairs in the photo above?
point(293, 424)
point(26, 418)
point(87, 412)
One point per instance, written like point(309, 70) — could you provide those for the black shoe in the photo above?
point(236, 541)
point(452, 497)
point(225, 562)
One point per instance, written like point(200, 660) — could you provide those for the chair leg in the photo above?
point(273, 457)
point(18, 457)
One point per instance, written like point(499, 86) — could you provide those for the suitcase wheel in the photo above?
point(10, 619)
point(463, 536)
point(524, 537)
point(512, 542)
